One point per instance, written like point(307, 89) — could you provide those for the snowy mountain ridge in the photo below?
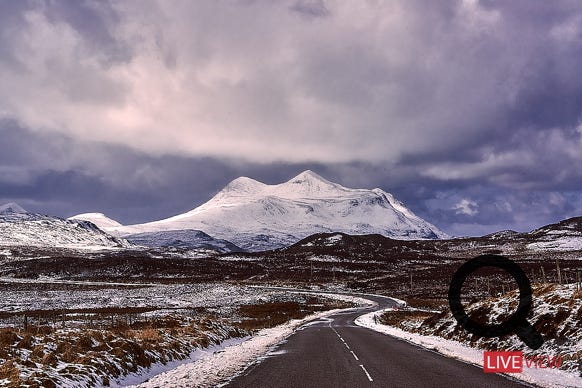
point(257, 216)
point(99, 219)
point(11, 208)
point(19, 227)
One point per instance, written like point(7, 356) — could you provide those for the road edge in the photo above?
point(459, 351)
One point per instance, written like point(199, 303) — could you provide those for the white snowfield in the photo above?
point(221, 366)
point(257, 216)
point(559, 243)
point(459, 351)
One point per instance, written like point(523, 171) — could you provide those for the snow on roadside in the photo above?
point(459, 351)
point(219, 367)
point(157, 369)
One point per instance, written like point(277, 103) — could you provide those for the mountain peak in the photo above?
point(308, 176)
point(243, 185)
point(12, 207)
point(308, 185)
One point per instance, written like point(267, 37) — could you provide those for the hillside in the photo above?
point(21, 228)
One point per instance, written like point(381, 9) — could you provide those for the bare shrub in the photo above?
point(10, 371)
point(8, 337)
point(37, 352)
point(25, 342)
point(49, 359)
point(84, 342)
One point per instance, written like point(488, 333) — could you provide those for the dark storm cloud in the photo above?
point(312, 8)
point(58, 175)
point(468, 111)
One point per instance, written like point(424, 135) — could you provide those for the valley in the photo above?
point(91, 302)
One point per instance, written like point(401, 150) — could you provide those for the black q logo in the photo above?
point(517, 323)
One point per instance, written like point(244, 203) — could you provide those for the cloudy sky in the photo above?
point(470, 112)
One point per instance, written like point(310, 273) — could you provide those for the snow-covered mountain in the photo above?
point(19, 227)
point(99, 219)
point(256, 216)
point(11, 208)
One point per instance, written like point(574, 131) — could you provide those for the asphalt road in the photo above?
point(336, 353)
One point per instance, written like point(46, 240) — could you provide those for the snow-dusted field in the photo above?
point(110, 350)
point(102, 294)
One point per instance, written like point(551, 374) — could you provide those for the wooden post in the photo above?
point(25, 322)
point(543, 274)
point(559, 274)
point(578, 280)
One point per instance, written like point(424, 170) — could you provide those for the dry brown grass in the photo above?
point(10, 371)
point(427, 303)
point(395, 318)
point(128, 345)
point(539, 290)
point(50, 359)
point(37, 352)
point(148, 335)
point(25, 342)
point(8, 337)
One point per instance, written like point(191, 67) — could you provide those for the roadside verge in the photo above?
point(459, 351)
point(221, 366)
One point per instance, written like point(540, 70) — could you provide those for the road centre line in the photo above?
point(351, 351)
point(366, 372)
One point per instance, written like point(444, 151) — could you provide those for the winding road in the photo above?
point(334, 352)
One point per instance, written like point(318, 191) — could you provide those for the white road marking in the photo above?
point(351, 351)
point(366, 372)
